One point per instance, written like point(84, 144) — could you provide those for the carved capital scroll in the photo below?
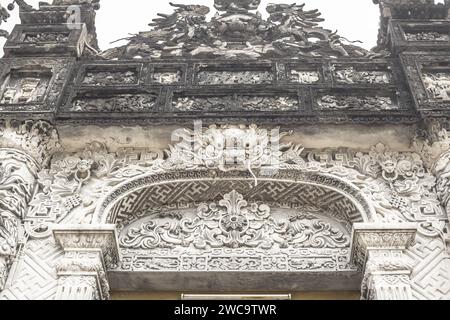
point(379, 250)
point(38, 139)
point(88, 252)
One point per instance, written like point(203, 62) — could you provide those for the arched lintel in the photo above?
point(103, 213)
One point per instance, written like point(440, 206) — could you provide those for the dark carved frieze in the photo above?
point(55, 40)
point(356, 103)
point(352, 76)
point(427, 36)
point(110, 78)
point(244, 103)
point(116, 103)
point(304, 77)
point(234, 77)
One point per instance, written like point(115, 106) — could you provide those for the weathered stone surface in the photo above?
point(231, 154)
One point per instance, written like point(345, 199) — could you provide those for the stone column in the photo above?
point(17, 182)
point(378, 249)
point(24, 148)
point(88, 251)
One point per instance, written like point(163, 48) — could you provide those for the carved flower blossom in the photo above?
point(234, 223)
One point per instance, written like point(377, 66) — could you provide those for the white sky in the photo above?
point(354, 19)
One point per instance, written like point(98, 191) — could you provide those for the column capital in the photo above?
point(89, 238)
point(381, 236)
point(88, 251)
point(378, 249)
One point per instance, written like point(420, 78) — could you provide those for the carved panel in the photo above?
point(167, 77)
point(36, 37)
point(337, 103)
point(45, 39)
point(427, 36)
point(234, 77)
point(116, 103)
point(32, 85)
point(109, 75)
point(110, 78)
point(437, 85)
point(203, 103)
point(352, 76)
point(25, 86)
point(277, 103)
point(244, 103)
point(304, 77)
point(428, 77)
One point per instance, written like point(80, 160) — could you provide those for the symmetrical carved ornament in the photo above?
point(236, 32)
point(221, 236)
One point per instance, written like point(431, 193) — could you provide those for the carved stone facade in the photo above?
point(161, 165)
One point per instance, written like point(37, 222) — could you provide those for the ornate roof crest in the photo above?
point(237, 32)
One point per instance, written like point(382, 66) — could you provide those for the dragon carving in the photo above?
point(236, 32)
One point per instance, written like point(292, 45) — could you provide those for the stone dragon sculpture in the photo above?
point(236, 32)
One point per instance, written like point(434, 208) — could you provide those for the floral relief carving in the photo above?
point(235, 223)
point(396, 183)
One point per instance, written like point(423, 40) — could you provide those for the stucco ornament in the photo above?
point(235, 223)
point(396, 183)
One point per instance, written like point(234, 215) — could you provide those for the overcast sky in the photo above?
point(354, 19)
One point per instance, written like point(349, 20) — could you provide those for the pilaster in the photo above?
point(25, 148)
point(88, 251)
point(379, 250)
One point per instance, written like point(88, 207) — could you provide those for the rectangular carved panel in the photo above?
point(116, 103)
point(239, 103)
point(25, 86)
